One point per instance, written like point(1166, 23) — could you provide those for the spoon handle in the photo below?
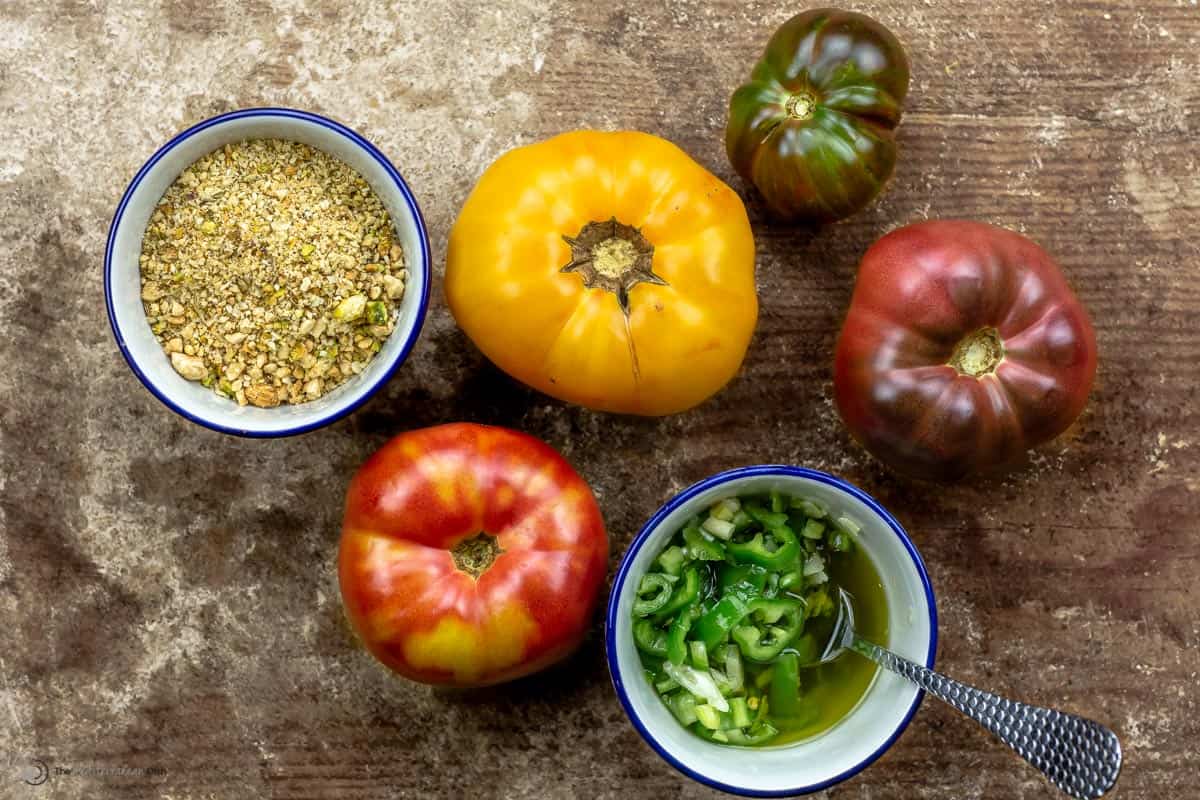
point(1079, 756)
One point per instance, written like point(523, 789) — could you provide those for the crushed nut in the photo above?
point(262, 396)
point(189, 367)
point(243, 259)
point(393, 286)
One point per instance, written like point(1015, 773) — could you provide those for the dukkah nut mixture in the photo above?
point(270, 272)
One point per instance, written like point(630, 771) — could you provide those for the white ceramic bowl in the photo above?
point(860, 737)
point(122, 284)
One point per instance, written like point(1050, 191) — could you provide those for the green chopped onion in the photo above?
point(735, 673)
point(739, 712)
point(813, 509)
point(849, 525)
point(725, 509)
point(666, 685)
point(778, 503)
point(718, 527)
point(709, 717)
point(760, 733)
point(789, 580)
point(683, 706)
point(840, 541)
point(671, 560)
point(813, 529)
point(699, 684)
point(699, 546)
point(699, 655)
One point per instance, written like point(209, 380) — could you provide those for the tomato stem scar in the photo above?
point(613, 256)
point(978, 353)
point(801, 105)
point(475, 554)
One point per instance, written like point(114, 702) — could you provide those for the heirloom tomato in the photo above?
point(962, 348)
point(814, 128)
point(470, 555)
point(606, 269)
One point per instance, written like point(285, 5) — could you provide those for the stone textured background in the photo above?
point(167, 594)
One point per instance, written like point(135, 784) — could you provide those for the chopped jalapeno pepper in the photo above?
point(650, 638)
point(677, 646)
point(784, 693)
point(782, 620)
point(699, 546)
point(715, 625)
point(760, 733)
point(768, 519)
point(687, 592)
point(757, 550)
point(731, 575)
point(658, 587)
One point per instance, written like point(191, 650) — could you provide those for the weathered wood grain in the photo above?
point(168, 593)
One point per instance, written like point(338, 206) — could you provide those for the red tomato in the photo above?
point(962, 348)
point(470, 555)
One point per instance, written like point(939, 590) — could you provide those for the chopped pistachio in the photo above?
point(377, 313)
point(351, 308)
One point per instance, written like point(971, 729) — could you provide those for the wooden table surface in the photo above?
point(171, 615)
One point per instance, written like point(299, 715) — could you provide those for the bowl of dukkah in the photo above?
point(267, 270)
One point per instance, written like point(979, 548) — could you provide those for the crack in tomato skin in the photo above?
point(422, 495)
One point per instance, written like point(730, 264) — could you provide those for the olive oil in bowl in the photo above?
point(832, 690)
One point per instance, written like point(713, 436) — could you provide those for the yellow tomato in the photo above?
point(606, 269)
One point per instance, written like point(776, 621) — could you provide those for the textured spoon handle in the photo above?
point(1079, 756)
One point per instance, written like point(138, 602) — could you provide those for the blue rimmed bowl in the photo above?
point(861, 736)
point(122, 281)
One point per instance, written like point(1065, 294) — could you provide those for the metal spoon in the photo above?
point(1079, 756)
